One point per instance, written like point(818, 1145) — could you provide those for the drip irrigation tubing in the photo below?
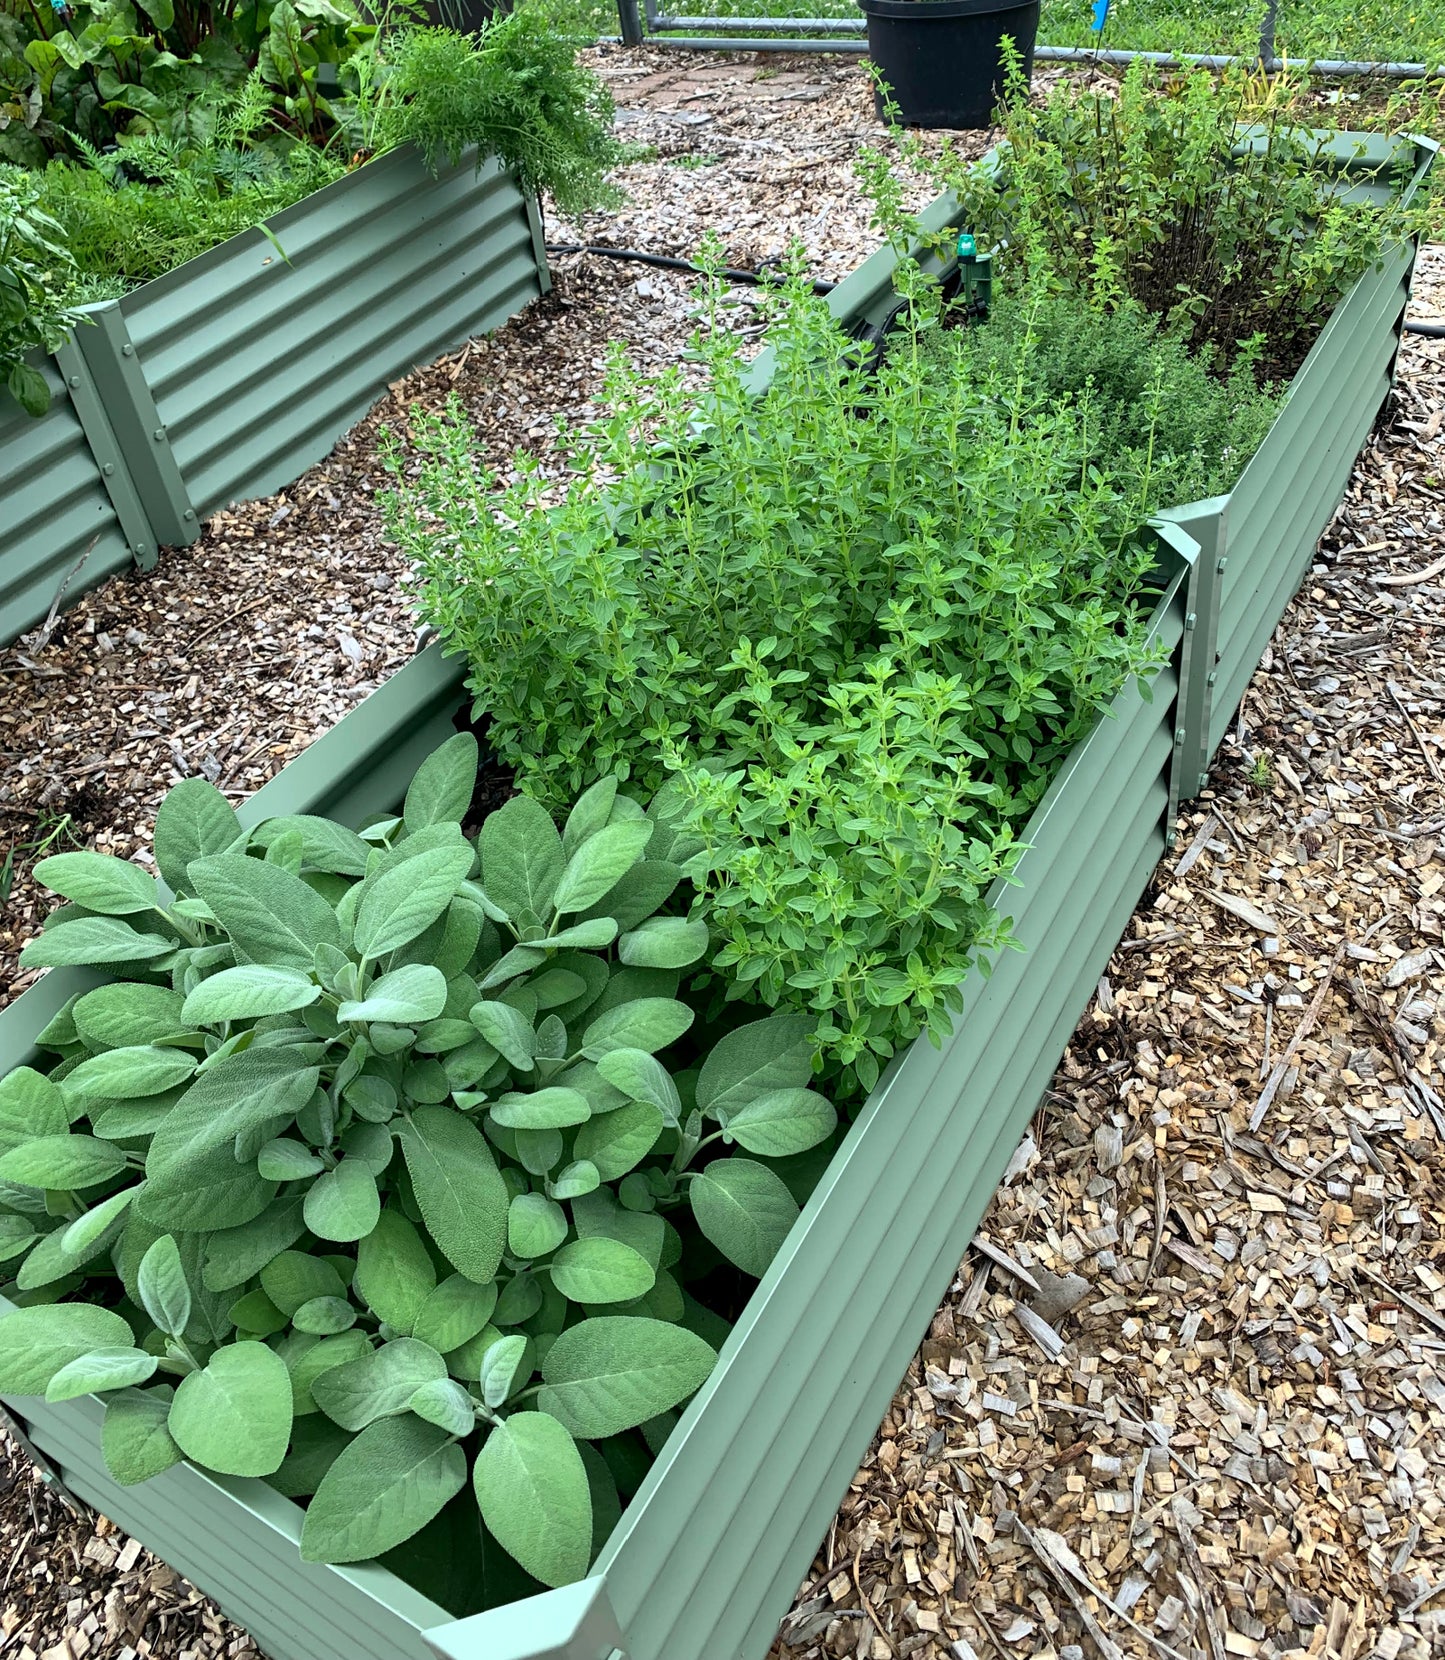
point(1435, 331)
point(666, 262)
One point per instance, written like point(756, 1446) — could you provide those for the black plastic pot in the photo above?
point(940, 58)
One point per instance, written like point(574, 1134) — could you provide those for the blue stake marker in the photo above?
point(1101, 15)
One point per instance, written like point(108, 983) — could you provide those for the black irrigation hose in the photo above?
point(667, 263)
point(1435, 331)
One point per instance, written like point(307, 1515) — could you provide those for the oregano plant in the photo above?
point(387, 1161)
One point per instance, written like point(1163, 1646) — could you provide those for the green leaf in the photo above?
point(161, 12)
point(619, 1141)
point(325, 844)
point(592, 810)
point(508, 1031)
point(460, 1191)
point(616, 1371)
point(106, 885)
point(162, 1288)
point(393, 1478)
point(256, 1315)
point(407, 996)
point(647, 1023)
point(645, 888)
point(554, 1108)
point(193, 820)
point(36, 1342)
point(501, 1366)
point(123, 1016)
point(30, 1106)
point(377, 1385)
point(233, 1255)
point(782, 1122)
point(601, 1271)
point(193, 1181)
point(600, 863)
point(27, 385)
point(316, 1443)
point(284, 1160)
point(446, 1404)
point(454, 1313)
point(271, 915)
point(100, 1369)
point(292, 1278)
point(92, 940)
point(585, 936)
point(248, 992)
point(752, 1060)
point(324, 1316)
point(62, 1162)
point(533, 1493)
point(745, 1209)
point(135, 1437)
point(642, 1077)
point(327, 1354)
point(395, 905)
point(535, 1225)
point(85, 1230)
point(576, 1179)
point(599, 1214)
point(126, 1074)
point(17, 1234)
point(394, 1273)
point(343, 1205)
point(521, 857)
point(663, 942)
point(442, 789)
point(235, 1416)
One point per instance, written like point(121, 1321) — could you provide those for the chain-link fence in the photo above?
point(1400, 37)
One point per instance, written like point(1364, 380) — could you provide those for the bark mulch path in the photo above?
point(1186, 1396)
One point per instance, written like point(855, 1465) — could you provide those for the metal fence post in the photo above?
point(1207, 523)
point(629, 22)
point(133, 438)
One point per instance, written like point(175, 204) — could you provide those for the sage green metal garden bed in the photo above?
point(707, 1556)
point(228, 377)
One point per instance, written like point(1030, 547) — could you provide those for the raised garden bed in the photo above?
point(708, 1554)
point(231, 375)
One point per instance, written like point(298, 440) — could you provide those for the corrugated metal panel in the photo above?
point(258, 365)
point(53, 505)
point(775, 1434)
point(238, 1538)
point(1289, 492)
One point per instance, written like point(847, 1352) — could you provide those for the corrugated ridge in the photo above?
point(675, 1593)
point(52, 505)
point(244, 1553)
point(271, 361)
point(1315, 380)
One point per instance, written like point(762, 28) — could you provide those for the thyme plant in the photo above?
point(1211, 201)
point(858, 619)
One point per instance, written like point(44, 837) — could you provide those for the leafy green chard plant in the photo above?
point(858, 617)
point(366, 1168)
point(1211, 201)
point(34, 266)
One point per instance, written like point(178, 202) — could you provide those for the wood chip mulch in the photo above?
point(74, 1587)
point(1186, 1396)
